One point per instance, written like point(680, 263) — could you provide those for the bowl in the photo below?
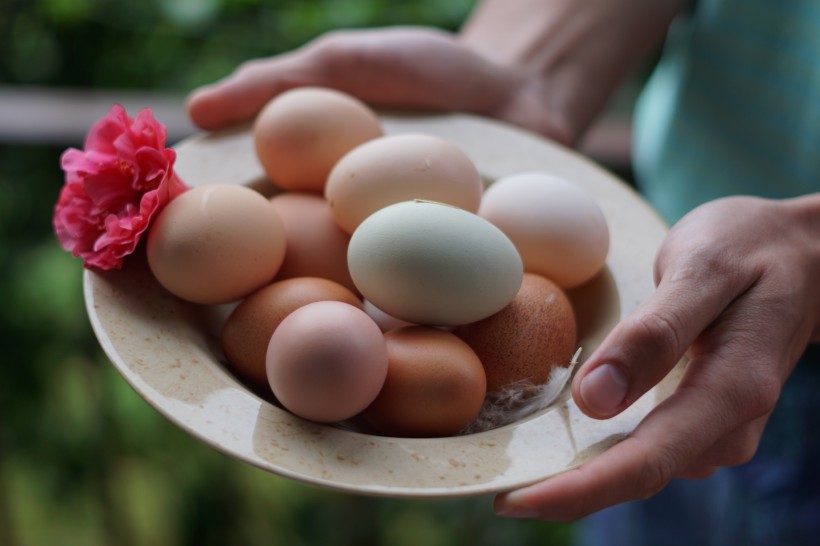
point(168, 349)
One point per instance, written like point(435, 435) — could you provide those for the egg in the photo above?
point(316, 246)
point(435, 385)
point(300, 134)
point(434, 264)
point(216, 244)
point(385, 321)
point(327, 361)
point(528, 338)
point(249, 327)
point(399, 168)
point(557, 227)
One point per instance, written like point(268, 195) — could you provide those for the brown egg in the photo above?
point(526, 339)
point(248, 329)
point(300, 134)
point(316, 245)
point(435, 385)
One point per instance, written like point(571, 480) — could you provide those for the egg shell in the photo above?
point(316, 245)
point(527, 339)
point(385, 321)
point(435, 385)
point(327, 361)
point(433, 264)
point(216, 244)
point(557, 226)
point(248, 329)
point(300, 134)
point(399, 168)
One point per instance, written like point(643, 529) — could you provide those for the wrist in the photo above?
point(571, 54)
point(806, 212)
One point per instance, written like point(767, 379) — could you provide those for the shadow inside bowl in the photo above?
point(597, 309)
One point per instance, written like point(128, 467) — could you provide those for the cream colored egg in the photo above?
point(557, 226)
point(216, 244)
point(433, 264)
point(399, 168)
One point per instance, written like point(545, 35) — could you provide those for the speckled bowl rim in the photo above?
point(167, 351)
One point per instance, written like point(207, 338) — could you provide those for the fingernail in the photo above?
point(604, 389)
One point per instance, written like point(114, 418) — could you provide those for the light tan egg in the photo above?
point(399, 168)
point(525, 340)
point(300, 134)
point(316, 245)
point(216, 244)
point(248, 329)
point(326, 361)
point(435, 385)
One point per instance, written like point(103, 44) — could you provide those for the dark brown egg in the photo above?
point(526, 339)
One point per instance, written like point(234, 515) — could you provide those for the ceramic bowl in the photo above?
point(168, 350)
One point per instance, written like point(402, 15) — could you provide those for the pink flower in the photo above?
point(114, 188)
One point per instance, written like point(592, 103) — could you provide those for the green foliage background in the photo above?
point(83, 460)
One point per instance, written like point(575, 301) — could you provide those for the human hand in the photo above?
point(406, 67)
point(737, 291)
point(549, 67)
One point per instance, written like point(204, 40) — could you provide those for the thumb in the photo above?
point(644, 347)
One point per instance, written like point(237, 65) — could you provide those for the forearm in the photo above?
point(579, 50)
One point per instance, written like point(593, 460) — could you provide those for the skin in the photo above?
point(736, 278)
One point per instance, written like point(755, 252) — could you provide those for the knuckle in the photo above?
point(758, 393)
point(659, 331)
point(742, 454)
point(331, 44)
point(336, 53)
point(740, 450)
point(658, 472)
point(765, 393)
point(706, 258)
point(249, 68)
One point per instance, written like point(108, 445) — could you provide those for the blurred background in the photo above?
point(83, 460)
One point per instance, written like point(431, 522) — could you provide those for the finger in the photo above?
point(240, 96)
point(647, 344)
point(734, 449)
point(659, 449)
point(387, 68)
point(697, 472)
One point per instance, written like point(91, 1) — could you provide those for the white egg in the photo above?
point(557, 227)
point(385, 321)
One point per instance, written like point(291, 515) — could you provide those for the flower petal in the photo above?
point(114, 188)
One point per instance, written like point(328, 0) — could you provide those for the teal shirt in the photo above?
point(733, 107)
